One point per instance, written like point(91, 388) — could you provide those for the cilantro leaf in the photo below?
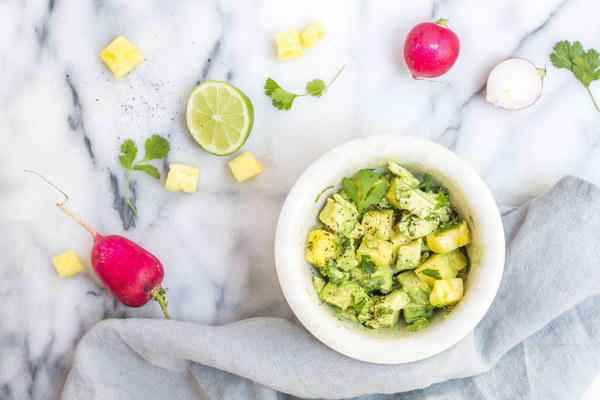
point(149, 169)
point(156, 147)
point(366, 265)
point(585, 65)
point(129, 152)
point(433, 273)
point(426, 184)
point(283, 99)
point(316, 87)
point(373, 188)
point(270, 86)
point(351, 190)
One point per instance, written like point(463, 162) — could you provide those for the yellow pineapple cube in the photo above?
point(68, 264)
point(121, 56)
point(289, 45)
point(312, 34)
point(245, 166)
point(182, 177)
point(446, 292)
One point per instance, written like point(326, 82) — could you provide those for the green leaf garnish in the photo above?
point(366, 265)
point(433, 273)
point(585, 65)
point(283, 99)
point(156, 147)
point(373, 187)
point(426, 184)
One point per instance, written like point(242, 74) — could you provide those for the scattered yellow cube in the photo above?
point(245, 166)
point(289, 45)
point(182, 177)
point(68, 264)
point(312, 34)
point(121, 56)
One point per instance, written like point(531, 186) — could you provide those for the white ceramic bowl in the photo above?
point(468, 194)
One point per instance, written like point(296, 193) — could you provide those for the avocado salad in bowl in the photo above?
point(388, 244)
point(389, 249)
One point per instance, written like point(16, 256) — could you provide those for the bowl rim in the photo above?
point(352, 340)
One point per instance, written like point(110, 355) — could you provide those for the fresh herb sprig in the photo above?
point(585, 65)
point(156, 147)
point(372, 188)
point(283, 99)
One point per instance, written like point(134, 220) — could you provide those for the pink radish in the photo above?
point(129, 272)
point(514, 84)
point(431, 49)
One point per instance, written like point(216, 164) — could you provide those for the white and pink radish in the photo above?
point(431, 49)
point(129, 272)
point(514, 84)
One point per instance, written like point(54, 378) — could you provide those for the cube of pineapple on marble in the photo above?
point(312, 34)
point(289, 45)
point(121, 56)
point(182, 177)
point(245, 166)
point(67, 264)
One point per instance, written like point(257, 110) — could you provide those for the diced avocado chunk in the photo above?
point(347, 258)
point(414, 227)
point(446, 292)
point(449, 240)
point(409, 255)
point(320, 247)
point(381, 279)
point(417, 325)
point(441, 266)
point(398, 239)
point(414, 312)
point(339, 215)
point(379, 250)
point(348, 313)
point(386, 311)
point(404, 175)
point(318, 284)
point(379, 223)
point(334, 274)
point(357, 233)
point(414, 287)
point(341, 295)
point(416, 201)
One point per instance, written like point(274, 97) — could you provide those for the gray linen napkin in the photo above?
point(539, 340)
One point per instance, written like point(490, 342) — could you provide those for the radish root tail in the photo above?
point(61, 205)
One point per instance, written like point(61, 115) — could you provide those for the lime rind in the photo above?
point(229, 131)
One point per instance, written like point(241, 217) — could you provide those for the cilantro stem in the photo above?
point(589, 91)
point(336, 75)
point(127, 191)
point(327, 86)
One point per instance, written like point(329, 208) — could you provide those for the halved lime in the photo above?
point(219, 117)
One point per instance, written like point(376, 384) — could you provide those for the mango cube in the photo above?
point(312, 34)
point(289, 45)
point(182, 177)
point(245, 166)
point(68, 264)
point(121, 56)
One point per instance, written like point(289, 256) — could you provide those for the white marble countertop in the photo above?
point(63, 113)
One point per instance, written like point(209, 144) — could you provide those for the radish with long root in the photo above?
point(129, 272)
point(514, 84)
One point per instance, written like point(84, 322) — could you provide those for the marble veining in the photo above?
point(62, 113)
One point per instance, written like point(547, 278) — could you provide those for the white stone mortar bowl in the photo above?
point(469, 196)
